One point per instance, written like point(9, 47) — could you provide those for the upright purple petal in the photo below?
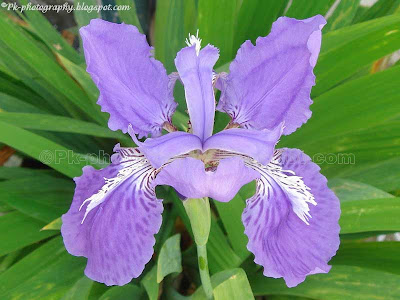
point(119, 223)
point(196, 72)
point(259, 144)
point(189, 177)
point(276, 218)
point(270, 82)
point(160, 150)
point(133, 85)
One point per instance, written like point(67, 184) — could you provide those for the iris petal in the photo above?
point(159, 150)
point(189, 177)
point(270, 83)
point(134, 87)
point(259, 144)
point(196, 73)
point(117, 235)
point(279, 236)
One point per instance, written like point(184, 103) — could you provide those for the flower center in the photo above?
point(208, 158)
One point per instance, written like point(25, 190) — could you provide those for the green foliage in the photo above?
point(48, 110)
point(228, 284)
point(343, 282)
point(169, 260)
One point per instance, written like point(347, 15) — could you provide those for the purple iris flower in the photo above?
point(291, 221)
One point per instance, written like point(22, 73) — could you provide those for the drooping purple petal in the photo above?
point(259, 144)
point(189, 177)
point(133, 85)
point(160, 150)
point(276, 218)
point(270, 82)
point(196, 72)
point(117, 233)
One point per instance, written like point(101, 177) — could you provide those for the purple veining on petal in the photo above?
point(117, 235)
point(134, 87)
point(270, 82)
point(189, 177)
point(283, 243)
point(196, 73)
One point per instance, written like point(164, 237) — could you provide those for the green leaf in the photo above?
point(370, 215)
point(54, 155)
point(343, 15)
point(220, 255)
point(59, 124)
point(51, 274)
point(348, 190)
point(79, 73)
point(20, 231)
point(128, 291)
point(5, 208)
point(237, 287)
point(129, 16)
point(284, 297)
point(229, 284)
point(11, 104)
point(32, 79)
point(180, 120)
point(40, 183)
point(255, 19)
point(53, 225)
point(302, 9)
point(383, 175)
point(348, 152)
point(150, 284)
point(9, 259)
point(379, 9)
point(31, 264)
point(17, 89)
point(18, 172)
point(361, 236)
point(30, 53)
point(333, 112)
point(42, 204)
point(80, 290)
point(169, 260)
point(342, 282)
point(83, 17)
point(41, 26)
point(174, 21)
point(381, 256)
point(356, 46)
point(231, 216)
point(216, 20)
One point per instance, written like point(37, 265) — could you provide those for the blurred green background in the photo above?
point(50, 127)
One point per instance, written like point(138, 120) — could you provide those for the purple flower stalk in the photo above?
point(291, 221)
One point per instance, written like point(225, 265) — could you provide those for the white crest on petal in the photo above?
point(194, 41)
point(297, 191)
point(134, 166)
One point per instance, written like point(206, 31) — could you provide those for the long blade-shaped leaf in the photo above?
point(54, 155)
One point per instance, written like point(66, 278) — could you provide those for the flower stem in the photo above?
point(204, 273)
point(198, 211)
